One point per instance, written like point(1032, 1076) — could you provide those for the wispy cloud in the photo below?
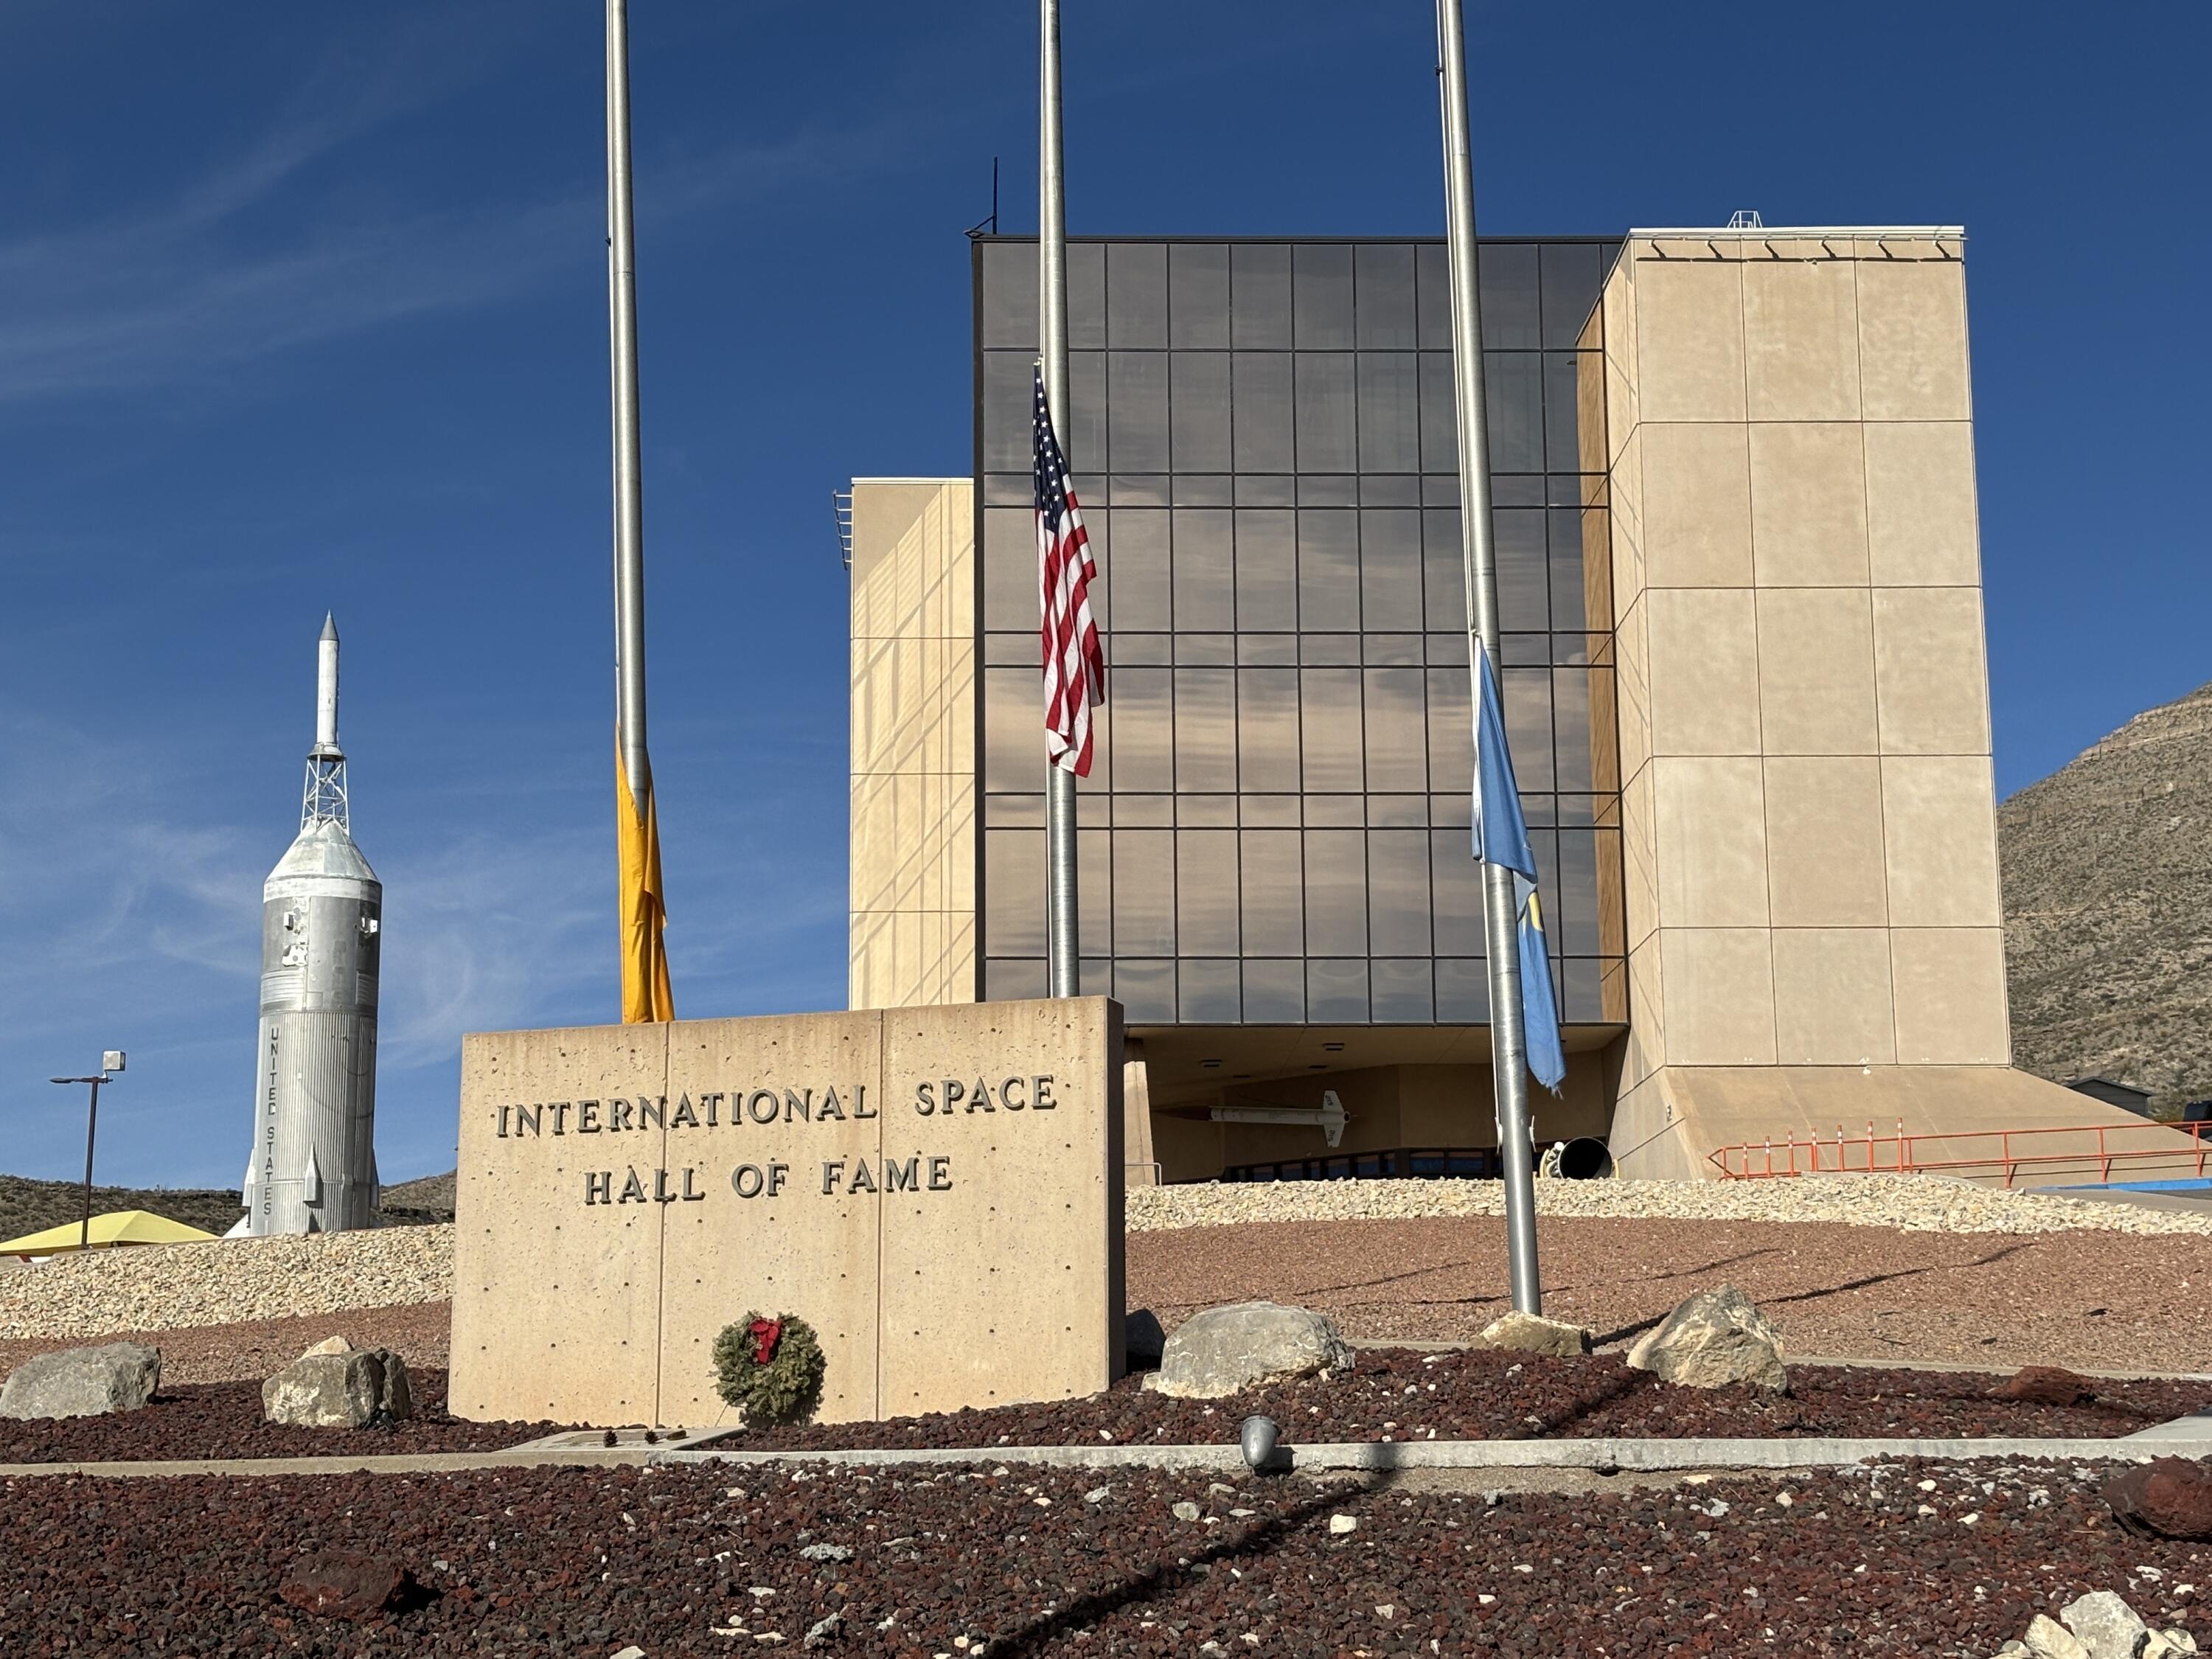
point(193, 285)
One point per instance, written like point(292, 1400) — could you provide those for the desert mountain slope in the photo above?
point(2107, 866)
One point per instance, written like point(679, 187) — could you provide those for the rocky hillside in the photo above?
point(29, 1207)
point(2108, 908)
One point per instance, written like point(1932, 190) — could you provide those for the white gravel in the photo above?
point(1926, 1204)
point(174, 1286)
point(171, 1286)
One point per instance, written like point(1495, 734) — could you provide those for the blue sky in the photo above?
point(303, 307)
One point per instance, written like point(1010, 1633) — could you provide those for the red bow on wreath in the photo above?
point(765, 1334)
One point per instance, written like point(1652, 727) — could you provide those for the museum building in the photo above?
point(1742, 664)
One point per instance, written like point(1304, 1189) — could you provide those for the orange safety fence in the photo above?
point(2048, 1150)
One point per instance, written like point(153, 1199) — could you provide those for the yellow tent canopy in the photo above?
point(116, 1227)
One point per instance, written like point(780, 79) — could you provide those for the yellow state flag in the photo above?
point(646, 995)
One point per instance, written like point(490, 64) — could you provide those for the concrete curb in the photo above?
point(1597, 1455)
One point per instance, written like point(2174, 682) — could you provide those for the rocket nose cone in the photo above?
point(330, 625)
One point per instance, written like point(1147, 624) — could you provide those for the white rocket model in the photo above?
point(313, 1165)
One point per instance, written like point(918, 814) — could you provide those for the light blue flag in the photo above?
point(1501, 836)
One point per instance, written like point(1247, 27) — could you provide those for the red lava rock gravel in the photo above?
point(1003, 1561)
point(224, 1420)
point(2090, 1300)
point(1394, 1394)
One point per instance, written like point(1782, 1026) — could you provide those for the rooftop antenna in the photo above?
point(977, 229)
point(1745, 219)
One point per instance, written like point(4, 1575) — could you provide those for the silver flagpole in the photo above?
point(621, 328)
point(1061, 942)
point(1509, 1061)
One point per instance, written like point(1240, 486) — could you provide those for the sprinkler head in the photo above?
point(1257, 1440)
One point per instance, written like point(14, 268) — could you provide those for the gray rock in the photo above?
point(1185, 1510)
point(117, 1376)
point(2014, 1651)
point(2165, 1643)
point(824, 1630)
point(348, 1390)
point(1714, 1339)
point(1143, 1341)
point(826, 1552)
point(1533, 1334)
point(1244, 1346)
point(2104, 1625)
point(2049, 1639)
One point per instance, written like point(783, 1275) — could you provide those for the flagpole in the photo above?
point(621, 326)
point(1061, 947)
point(1508, 1037)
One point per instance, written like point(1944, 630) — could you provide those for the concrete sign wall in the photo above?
point(936, 1191)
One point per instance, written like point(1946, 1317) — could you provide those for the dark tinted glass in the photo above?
point(1204, 571)
point(1259, 296)
point(1389, 412)
point(1383, 277)
point(1198, 294)
point(1327, 412)
point(1267, 569)
point(1136, 296)
point(1136, 410)
point(1264, 421)
point(1199, 411)
point(1328, 570)
point(1509, 291)
point(1322, 287)
point(1390, 571)
point(1010, 294)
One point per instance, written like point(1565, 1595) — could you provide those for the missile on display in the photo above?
point(313, 1165)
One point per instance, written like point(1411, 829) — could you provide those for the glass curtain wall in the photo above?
point(1264, 442)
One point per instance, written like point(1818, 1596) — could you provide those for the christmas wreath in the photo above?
point(770, 1369)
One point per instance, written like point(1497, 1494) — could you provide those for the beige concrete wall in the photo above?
point(914, 714)
point(1808, 821)
point(993, 1276)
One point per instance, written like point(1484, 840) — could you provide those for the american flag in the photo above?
point(1074, 662)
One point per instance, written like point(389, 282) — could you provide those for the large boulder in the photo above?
point(1143, 1339)
point(2165, 1497)
point(1531, 1333)
point(2105, 1625)
point(1244, 1346)
point(117, 1376)
point(343, 1584)
point(1714, 1339)
point(349, 1390)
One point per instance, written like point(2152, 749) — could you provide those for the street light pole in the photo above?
point(111, 1061)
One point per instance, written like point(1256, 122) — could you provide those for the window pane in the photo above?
point(1513, 387)
point(1267, 729)
point(1267, 570)
point(1576, 933)
point(1201, 409)
point(1401, 992)
point(1136, 410)
point(1328, 570)
point(1259, 294)
point(1014, 729)
point(1326, 412)
point(1014, 982)
point(1273, 882)
point(1263, 412)
point(1206, 727)
point(1571, 718)
point(1524, 575)
point(1336, 992)
point(1136, 295)
point(1396, 730)
point(1573, 273)
point(1013, 891)
point(1143, 737)
point(1390, 571)
point(1336, 892)
point(1463, 992)
point(1385, 295)
point(1389, 412)
point(1451, 732)
point(1205, 892)
point(1085, 444)
point(1205, 570)
point(1198, 294)
point(1507, 275)
point(1566, 565)
point(1528, 696)
point(1455, 893)
point(1439, 414)
point(1146, 991)
point(1008, 426)
point(1584, 996)
point(1562, 449)
point(1328, 702)
point(1274, 992)
point(1010, 569)
point(1086, 296)
point(1010, 294)
point(1398, 892)
point(1206, 993)
point(1144, 892)
point(1432, 271)
point(1444, 570)
point(1141, 590)
point(1324, 296)
point(1094, 888)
